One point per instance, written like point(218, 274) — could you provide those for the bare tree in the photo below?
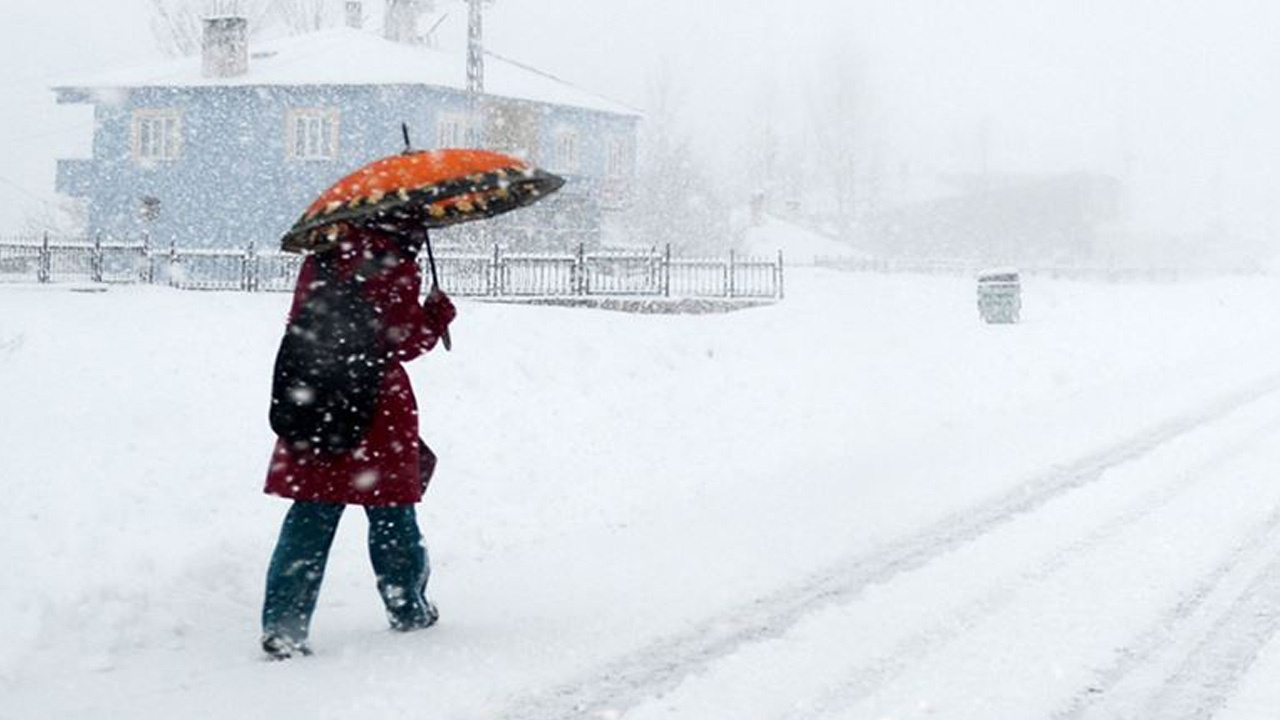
point(676, 201)
point(64, 216)
point(840, 110)
point(304, 16)
point(775, 161)
point(178, 25)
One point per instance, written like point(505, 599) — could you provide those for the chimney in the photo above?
point(226, 46)
point(400, 21)
point(355, 14)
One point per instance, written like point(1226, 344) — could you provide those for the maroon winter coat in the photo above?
point(383, 469)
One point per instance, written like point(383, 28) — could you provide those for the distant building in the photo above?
point(228, 148)
point(1005, 219)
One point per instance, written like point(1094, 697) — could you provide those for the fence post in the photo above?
point(150, 275)
point(779, 285)
point(494, 278)
point(173, 263)
point(248, 270)
point(580, 269)
point(729, 273)
point(666, 271)
point(98, 261)
point(44, 266)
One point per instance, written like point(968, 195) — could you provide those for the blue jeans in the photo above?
point(297, 568)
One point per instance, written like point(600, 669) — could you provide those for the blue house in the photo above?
point(230, 147)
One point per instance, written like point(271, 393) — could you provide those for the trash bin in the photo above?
point(999, 295)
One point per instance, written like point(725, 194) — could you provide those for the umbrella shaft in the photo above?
point(435, 284)
point(431, 259)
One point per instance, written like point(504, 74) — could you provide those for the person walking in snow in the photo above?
point(385, 471)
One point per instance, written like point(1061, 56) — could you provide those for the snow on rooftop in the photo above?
point(798, 245)
point(346, 56)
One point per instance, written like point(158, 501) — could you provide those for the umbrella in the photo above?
point(416, 190)
point(420, 189)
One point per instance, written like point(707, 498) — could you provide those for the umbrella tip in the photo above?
point(404, 128)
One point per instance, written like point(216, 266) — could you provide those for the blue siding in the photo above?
point(234, 182)
point(74, 177)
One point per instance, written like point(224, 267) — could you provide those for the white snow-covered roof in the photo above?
point(799, 245)
point(346, 56)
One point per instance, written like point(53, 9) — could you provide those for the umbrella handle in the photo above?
point(448, 341)
point(431, 260)
point(435, 284)
point(444, 336)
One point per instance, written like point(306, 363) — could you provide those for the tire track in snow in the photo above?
point(617, 686)
point(1097, 700)
point(908, 653)
point(1206, 680)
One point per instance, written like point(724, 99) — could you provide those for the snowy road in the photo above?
point(1142, 501)
point(859, 504)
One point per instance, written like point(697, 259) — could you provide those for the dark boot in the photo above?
point(417, 616)
point(278, 647)
point(294, 578)
point(400, 562)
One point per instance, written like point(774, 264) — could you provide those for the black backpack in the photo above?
point(329, 367)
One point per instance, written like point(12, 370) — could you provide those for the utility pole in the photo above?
point(475, 71)
point(475, 48)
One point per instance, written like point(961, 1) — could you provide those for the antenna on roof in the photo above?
point(404, 128)
point(223, 8)
point(430, 34)
point(475, 49)
point(475, 70)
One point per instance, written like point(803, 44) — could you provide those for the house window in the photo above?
point(157, 135)
point(616, 158)
point(313, 134)
point(566, 151)
point(451, 130)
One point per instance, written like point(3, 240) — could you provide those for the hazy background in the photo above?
point(1177, 99)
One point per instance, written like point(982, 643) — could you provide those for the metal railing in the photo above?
point(969, 268)
point(45, 260)
point(651, 273)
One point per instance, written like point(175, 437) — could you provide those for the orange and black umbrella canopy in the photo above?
point(420, 189)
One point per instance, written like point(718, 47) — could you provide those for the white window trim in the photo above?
point(451, 130)
point(617, 161)
point(326, 116)
point(567, 150)
point(169, 121)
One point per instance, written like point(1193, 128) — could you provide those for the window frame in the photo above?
point(156, 135)
point(451, 130)
point(617, 157)
point(567, 150)
point(316, 129)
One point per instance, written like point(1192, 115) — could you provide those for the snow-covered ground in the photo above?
point(859, 503)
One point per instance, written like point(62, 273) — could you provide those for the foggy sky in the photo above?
point(1177, 96)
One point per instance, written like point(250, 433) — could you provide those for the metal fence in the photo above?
point(970, 268)
point(22, 260)
point(44, 260)
point(653, 273)
point(623, 273)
